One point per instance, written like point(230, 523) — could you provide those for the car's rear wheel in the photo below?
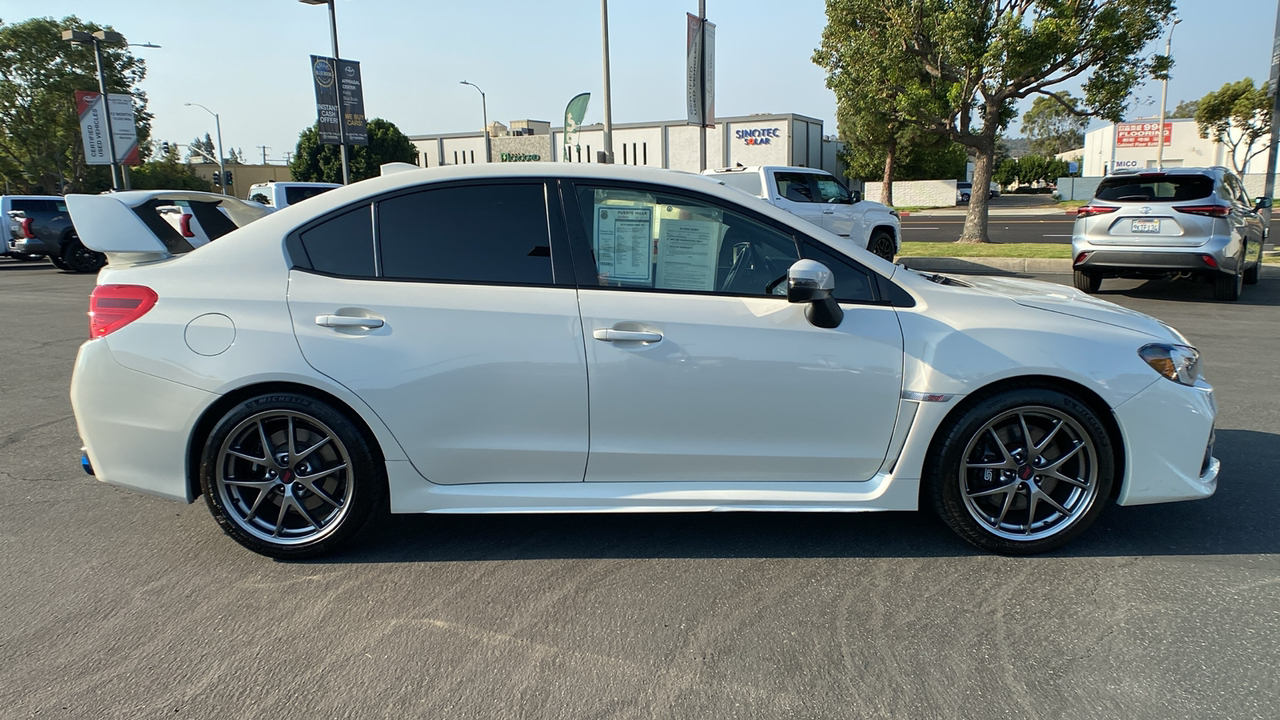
point(1228, 287)
point(288, 476)
point(81, 259)
point(1021, 472)
point(882, 244)
point(1087, 281)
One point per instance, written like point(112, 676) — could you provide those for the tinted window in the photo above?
point(35, 206)
point(794, 186)
point(342, 245)
point(1155, 186)
point(669, 242)
point(853, 284)
point(293, 195)
point(475, 233)
point(746, 181)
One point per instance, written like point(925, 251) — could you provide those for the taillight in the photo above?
point(27, 231)
point(185, 225)
point(111, 307)
point(1207, 210)
point(1089, 210)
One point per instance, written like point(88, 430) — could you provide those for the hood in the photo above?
point(1052, 297)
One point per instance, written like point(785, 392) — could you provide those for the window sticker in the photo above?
point(687, 254)
point(623, 238)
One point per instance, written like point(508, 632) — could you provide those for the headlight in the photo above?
point(1179, 363)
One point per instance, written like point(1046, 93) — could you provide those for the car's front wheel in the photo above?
point(288, 476)
point(1021, 472)
point(881, 244)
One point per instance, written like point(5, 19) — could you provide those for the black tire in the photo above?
point(1251, 274)
point(962, 481)
point(59, 263)
point(882, 244)
point(81, 259)
point(1087, 282)
point(321, 489)
point(1226, 288)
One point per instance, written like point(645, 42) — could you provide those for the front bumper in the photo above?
point(1168, 430)
point(135, 427)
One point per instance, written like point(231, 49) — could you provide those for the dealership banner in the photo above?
point(93, 129)
point(351, 93)
point(325, 77)
point(574, 112)
point(1142, 134)
point(700, 72)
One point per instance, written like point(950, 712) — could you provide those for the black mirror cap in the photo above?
point(825, 313)
point(1263, 203)
point(804, 291)
point(855, 197)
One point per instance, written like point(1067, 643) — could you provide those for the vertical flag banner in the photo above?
point(93, 129)
point(351, 95)
point(327, 115)
point(700, 71)
point(574, 112)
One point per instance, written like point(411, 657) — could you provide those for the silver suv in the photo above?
point(1193, 222)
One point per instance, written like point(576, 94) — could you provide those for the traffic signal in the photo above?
point(165, 147)
point(217, 179)
point(227, 178)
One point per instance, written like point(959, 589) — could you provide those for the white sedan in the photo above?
point(582, 338)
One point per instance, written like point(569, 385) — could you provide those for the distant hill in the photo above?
point(1015, 147)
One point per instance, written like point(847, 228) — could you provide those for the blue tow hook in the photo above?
point(84, 463)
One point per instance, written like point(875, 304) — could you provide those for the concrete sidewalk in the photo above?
point(1012, 266)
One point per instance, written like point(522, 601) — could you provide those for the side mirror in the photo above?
point(856, 197)
point(1262, 203)
point(809, 281)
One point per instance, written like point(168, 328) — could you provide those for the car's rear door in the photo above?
point(794, 192)
point(451, 311)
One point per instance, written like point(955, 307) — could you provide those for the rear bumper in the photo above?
point(31, 246)
point(135, 427)
point(1153, 260)
point(1168, 431)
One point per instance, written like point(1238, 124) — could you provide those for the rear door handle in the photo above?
point(338, 321)
point(611, 335)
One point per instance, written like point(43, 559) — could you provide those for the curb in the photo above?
point(1019, 266)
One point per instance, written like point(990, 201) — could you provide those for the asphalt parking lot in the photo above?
point(1000, 229)
point(120, 605)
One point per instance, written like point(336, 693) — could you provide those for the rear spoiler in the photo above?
point(127, 227)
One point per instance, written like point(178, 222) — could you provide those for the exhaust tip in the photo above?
point(85, 464)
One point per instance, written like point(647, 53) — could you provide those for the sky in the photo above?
point(247, 60)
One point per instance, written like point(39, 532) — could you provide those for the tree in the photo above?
point(979, 57)
point(1237, 115)
point(1054, 125)
point(314, 162)
point(168, 174)
point(202, 150)
point(1006, 173)
point(40, 147)
point(1185, 109)
point(917, 155)
point(235, 156)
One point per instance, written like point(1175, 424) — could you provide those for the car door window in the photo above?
point(830, 190)
point(339, 245)
point(794, 186)
point(853, 284)
point(659, 241)
point(467, 234)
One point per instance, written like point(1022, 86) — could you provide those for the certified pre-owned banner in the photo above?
point(322, 71)
point(351, 94)
point(93, 129)
point(700, 72)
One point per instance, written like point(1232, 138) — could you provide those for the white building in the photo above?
point(764, 139)
point(1135, 145)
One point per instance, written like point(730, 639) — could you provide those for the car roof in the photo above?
point(757, 168)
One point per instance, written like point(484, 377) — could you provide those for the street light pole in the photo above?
point(217, 124)
point(608, 110)
point(1164, 95)
point(484, 112)
point(342, 118)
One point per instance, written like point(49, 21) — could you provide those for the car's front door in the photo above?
point(840, 214)
point(458, 325)
point(794, 192)
point(699, 369)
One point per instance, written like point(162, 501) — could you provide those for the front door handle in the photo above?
point(339, 321)
point(611, 335)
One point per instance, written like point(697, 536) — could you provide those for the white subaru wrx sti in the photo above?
point(583, 338)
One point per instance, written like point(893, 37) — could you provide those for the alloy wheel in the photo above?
point(1029, 473)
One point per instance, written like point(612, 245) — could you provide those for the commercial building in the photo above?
point(1135, 145)
point(765, 139)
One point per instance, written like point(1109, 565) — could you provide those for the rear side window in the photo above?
point(35, 206)
point(294, 195)
point(342, 245)
point(469, 234)
point(1155, 187)
point(794, 186)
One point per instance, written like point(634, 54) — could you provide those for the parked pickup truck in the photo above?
point(820, 198)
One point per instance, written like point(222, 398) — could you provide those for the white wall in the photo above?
point(1185, 149)
point(917, 193)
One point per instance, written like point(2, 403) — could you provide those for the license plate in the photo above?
point(1145, 226)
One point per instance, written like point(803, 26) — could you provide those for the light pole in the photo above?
point(80, 37)
point(217, 124)
point(484, 110)
point(1164, 94)
point(608, 111)
point(342, 119)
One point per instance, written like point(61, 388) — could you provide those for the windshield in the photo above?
point(1154, 186)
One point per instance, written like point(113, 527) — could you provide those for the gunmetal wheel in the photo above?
point(882, 244)
point(1023, 472)
point(81, 259)
point(289, 477)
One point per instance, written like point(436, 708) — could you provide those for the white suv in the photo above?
point(820, 198)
